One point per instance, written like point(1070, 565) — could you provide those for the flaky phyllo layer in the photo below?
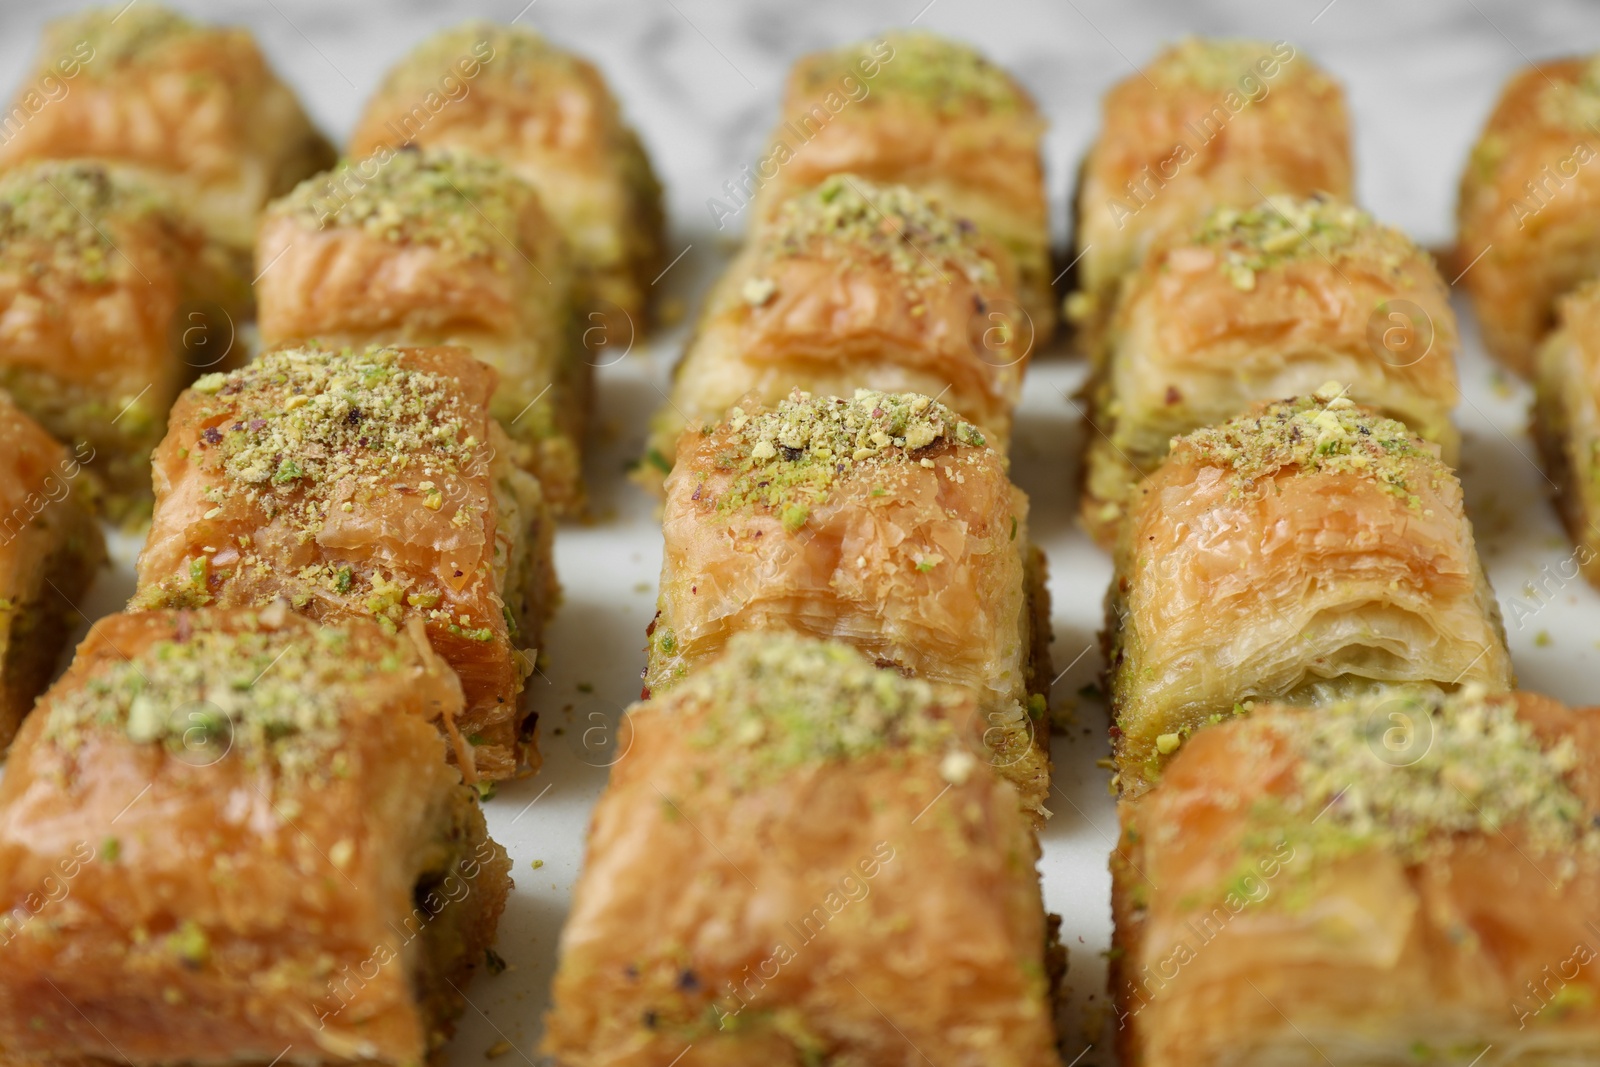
point(362, 483)
point(549, 116)
point(856, 284)
point(884, 521)
point(439, 247)
point(1306, 551)
point(270, 847)
point(1258, 303)
point(1390, 878)
point(833, 809)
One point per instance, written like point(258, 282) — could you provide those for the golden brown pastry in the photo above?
point(194, 109)
point(1526, 231)
point(229, 836)
point(364, 484)
point(1566, 423)
point(109, 305)
point(910, 108)
point(1269, 301)
point(547, 114)
point(1207, 124)
point(1396, 880)
point(855, 285)
point(1305, 552)
point(50, 551)
point(439, 248)
point(883, 521)
point(858, 885)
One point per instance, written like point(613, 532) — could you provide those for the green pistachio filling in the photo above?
point(268, 695)
point(515, 54)
point(1285, 229)
point(459, 202)
point(781, 701)
point(120, 35)
point(788, 458)
point(58, 218)
point(1322, 433)
point(1480, 770)
point(847, 215)
point(948, 76)
point(293, 427)
point(1574, 105)
point(1208, 63)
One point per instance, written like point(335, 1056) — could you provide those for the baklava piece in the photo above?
point(50, 551)
point(1394, 881)
point(1269, 301)
point(195, 109)
point(109, 305)
point(1208, 124)
point(883, 521)
point(229, 836)
point(1566, 422)
point(1526, 218)
point(915, 109)
point(1306, 552)
point(372, 485)
point(857, 884)
point(549, 116)
point(854, 285)
point(439, 248)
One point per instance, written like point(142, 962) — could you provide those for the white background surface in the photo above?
point(701, 81)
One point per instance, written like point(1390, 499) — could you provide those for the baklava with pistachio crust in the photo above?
point(1566, 421)
point(109, 305)
point(364, 484)
point(227, 836)
point(50, 552)
point(195, 109)
point(1268, 301)
point(1207, 124)
point(855, 285)
point(1525, 219)
point(1394, 880)
point(548, 115)
point(883, 521)
point(915, 109)
point(1305, 552)
point(805, 859)
point(439, 248)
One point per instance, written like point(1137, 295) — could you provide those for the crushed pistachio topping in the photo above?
point(1573, 104)
point(847, 215)
point(300, 426)
point(1285, 229)
point(784, 700)
point(1479, 768)
point(463, 203)
point(950, 76)
point(1208, 63)
point(1325, 432)
point(788, 458)
point(120, 34)
point(59, 217)
point(268, 695)
point(515, 53)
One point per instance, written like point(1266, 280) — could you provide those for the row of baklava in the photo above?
point(248, 815)
point(245, 825)
point(1529, 257)
point(842, 751)
point(1344, 839)
point(491, 196)
point(1344, 835)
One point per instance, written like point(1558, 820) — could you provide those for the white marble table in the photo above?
point(701, 80)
